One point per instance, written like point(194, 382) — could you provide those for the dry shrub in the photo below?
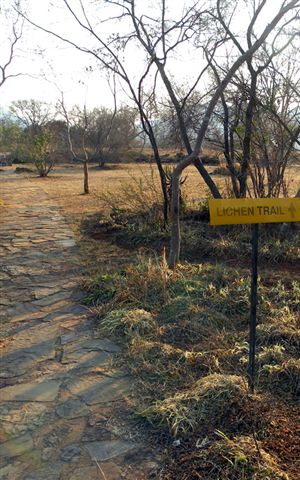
point(241, 458)
point(148, 281)
point(211, 402)
point(137, 192)
point(188, 333)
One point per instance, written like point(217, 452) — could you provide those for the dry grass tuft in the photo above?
point(128, 322)
point(240, 458)
point(283, 378)
point(211, 402)
point(281, 329)
point(163, 367)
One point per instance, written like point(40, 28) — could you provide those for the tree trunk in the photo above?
point(248, 135)
point(207, 178)
point(86, 177)
point(175, 219)
point(183, 132)
point(150, 134)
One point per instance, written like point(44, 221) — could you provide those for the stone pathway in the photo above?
point(59, 388)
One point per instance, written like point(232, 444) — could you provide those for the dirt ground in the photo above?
point(65, 184)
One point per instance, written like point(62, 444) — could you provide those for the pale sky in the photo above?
point(60, 67)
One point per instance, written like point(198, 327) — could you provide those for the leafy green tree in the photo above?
point(40, 153)
point(11, 135)
point(37, 146)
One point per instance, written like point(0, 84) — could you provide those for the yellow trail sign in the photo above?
point(254, 210)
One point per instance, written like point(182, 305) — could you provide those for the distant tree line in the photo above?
point(34, 131)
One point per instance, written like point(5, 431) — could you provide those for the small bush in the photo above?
point(163, 367)
point(283, 295)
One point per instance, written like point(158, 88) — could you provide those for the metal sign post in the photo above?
point(253, 308)
point(253, 211)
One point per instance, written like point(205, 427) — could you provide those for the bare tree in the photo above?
point(9, 45)
point(260, 120)
point(277, 129)
point(80, 119)
point(292, 7)
point(160, 37)
point(33, 114)
point(247, 97)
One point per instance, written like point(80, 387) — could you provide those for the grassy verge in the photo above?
point(142, 228)
point(185, 339)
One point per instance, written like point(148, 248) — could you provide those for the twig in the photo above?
point(99, 466)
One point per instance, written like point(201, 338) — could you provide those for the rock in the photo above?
point(45, 391)
point(5, 301)
point(27, 415)
point(13, 430)
point(96, 419)
point(51, 472)
point(10, 472)
point(67, 243)
point(100, 389)
point(85, 473)
point(42, 351)
point(87, 359)
point(72, 408)
point(113, 471)
point(106, 450)
point(17, 366)
point(45, 292)
point(16, 447)
point(68, 453)
point(97, 344)
point(52, 299)
point(69, 337)
point(48, 453)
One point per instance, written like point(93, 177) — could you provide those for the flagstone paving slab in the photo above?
point(16, 366)
point(95, 344)
point(87, 359)
point(100, 389)
point(11, 472)
point(59, 385)
point(45, 391)
point(17, 446)
point(72, 408)
point(107, 450)
point(87, 473)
